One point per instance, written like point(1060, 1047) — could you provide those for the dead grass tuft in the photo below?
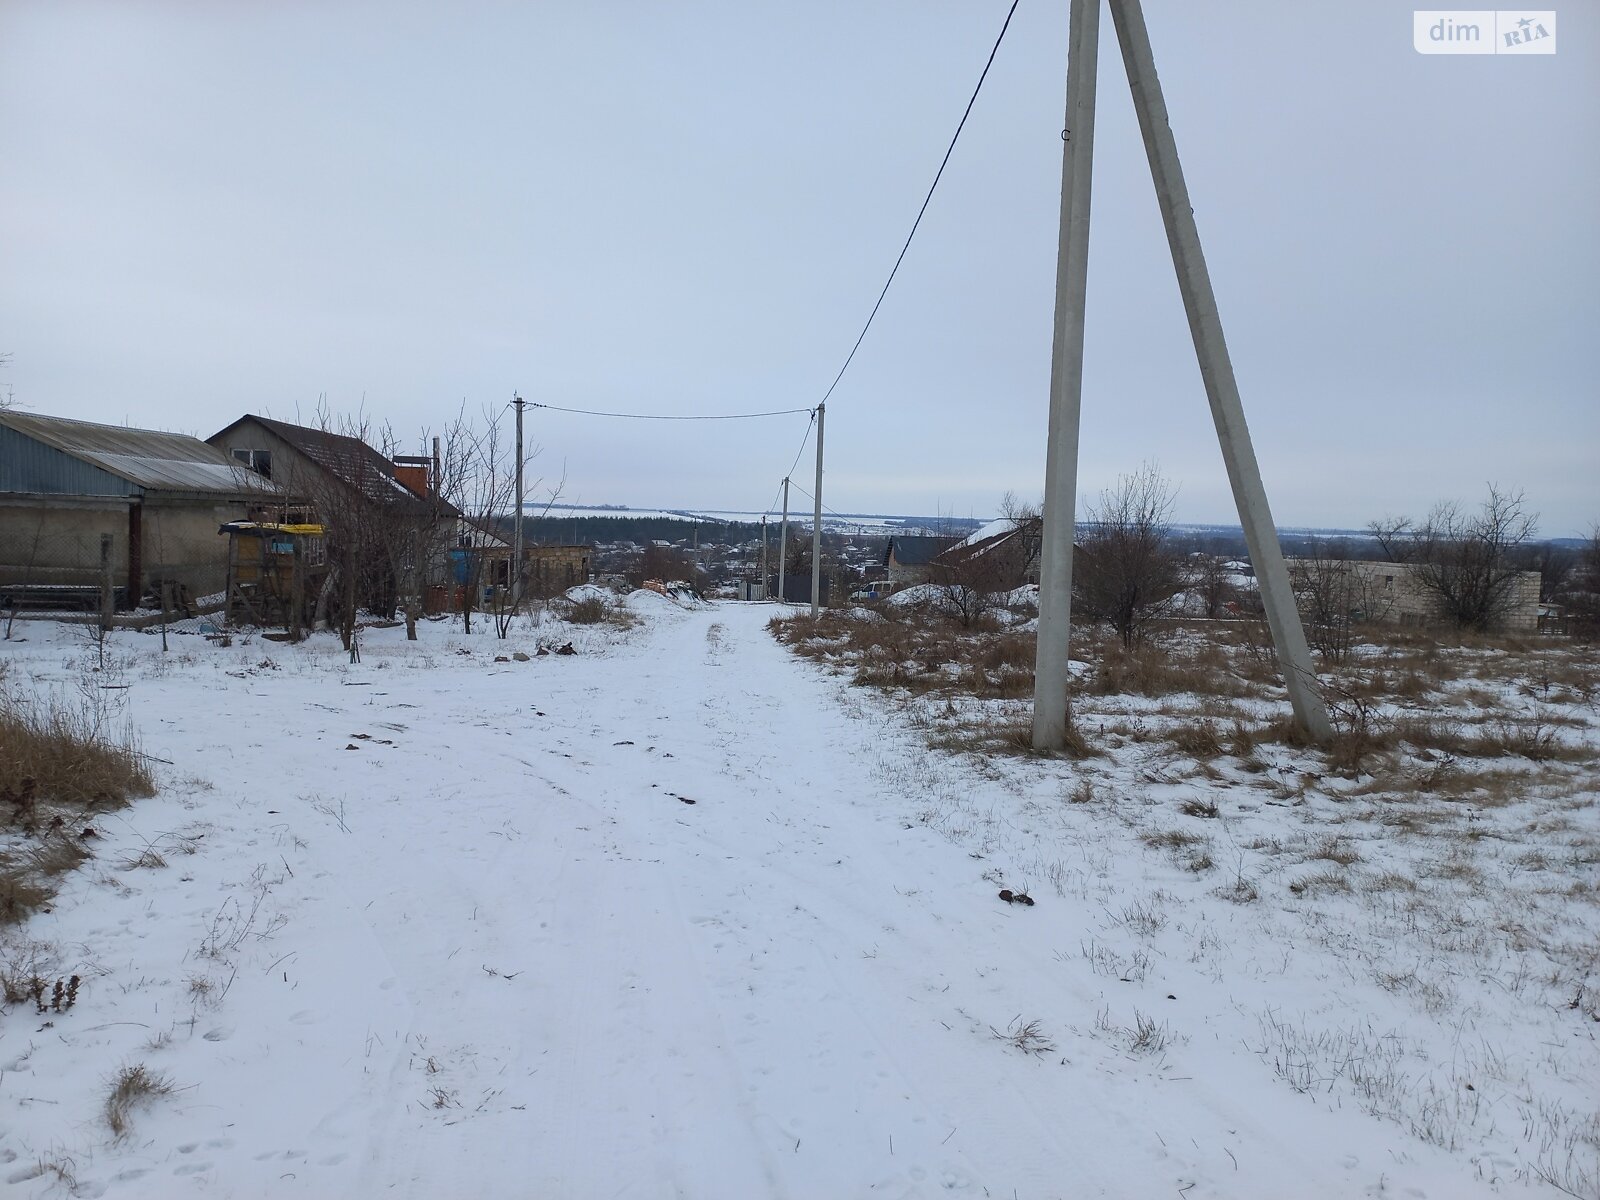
point(1200, 740)
point(134, 1085)
point(52, 751)
point(21, 894)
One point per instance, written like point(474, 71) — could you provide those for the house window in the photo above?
point(259, 461)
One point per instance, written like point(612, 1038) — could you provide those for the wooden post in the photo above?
point(136, 554)
point(106, 595)
point(166, 608)
point(297, 587)
point(229, 597)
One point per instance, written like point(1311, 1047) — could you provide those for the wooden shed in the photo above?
point(275, 573)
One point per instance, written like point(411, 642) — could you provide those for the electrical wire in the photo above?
point(813, 499)
point(782, 412)
point(938, 175)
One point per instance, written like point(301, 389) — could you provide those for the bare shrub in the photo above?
point(1127, 569)
point(591, 610)
point(1464, 561)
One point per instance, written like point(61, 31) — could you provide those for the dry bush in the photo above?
point(23, 961)
point(1535, 738)
point(1166, 666)
point(52, 751)
point(57, 855)
point(590, 611)
point(21, 894)
point(1199, 740)
point(131, 1087)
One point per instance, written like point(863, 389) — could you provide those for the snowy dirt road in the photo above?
point(659, 919)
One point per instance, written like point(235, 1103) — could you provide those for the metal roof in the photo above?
point(910, 551)
point(147, 458)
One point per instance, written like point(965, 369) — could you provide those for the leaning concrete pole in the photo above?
point(816, 523)
point(1216, 369)
point(783, 544)
point(1050, 677)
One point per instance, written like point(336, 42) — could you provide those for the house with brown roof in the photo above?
point(998, 558)
point(385, 520)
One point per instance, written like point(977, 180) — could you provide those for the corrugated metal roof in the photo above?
point(147, 458)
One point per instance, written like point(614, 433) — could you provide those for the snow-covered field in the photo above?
point(681, 914)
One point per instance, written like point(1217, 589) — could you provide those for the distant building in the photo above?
point(1390, 592)
point(998, 561)
point(909, 559)
point(365, 500)
point(160, 498)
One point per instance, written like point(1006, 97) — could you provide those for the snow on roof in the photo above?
point(993, 529)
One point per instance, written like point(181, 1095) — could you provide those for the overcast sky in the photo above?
point(213, 209)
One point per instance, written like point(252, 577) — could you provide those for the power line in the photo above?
point(773, 506)
point(812, 498)
point(782, 412)
point(925, 201)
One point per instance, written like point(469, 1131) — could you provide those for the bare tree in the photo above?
point(1581, 595)
point(972, 580)
point(1335, 595)
point(1212, 582)
point(1127, 569)
point(1465, 562)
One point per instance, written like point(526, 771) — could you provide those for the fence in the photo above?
point(88, 571)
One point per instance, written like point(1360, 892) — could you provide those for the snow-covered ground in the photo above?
point(682, 915)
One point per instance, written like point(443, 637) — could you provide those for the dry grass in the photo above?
point(51, 751)
point(21, 895)
point(58, 762)
point(134, 1085)
point(149, 858)
point(1028, 1037)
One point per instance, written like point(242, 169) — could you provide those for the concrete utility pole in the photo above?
point(764, 595)
point(1051, 675)
point(783, 544)
point(516, 518)
point(816, 522)
point(1216, 369)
